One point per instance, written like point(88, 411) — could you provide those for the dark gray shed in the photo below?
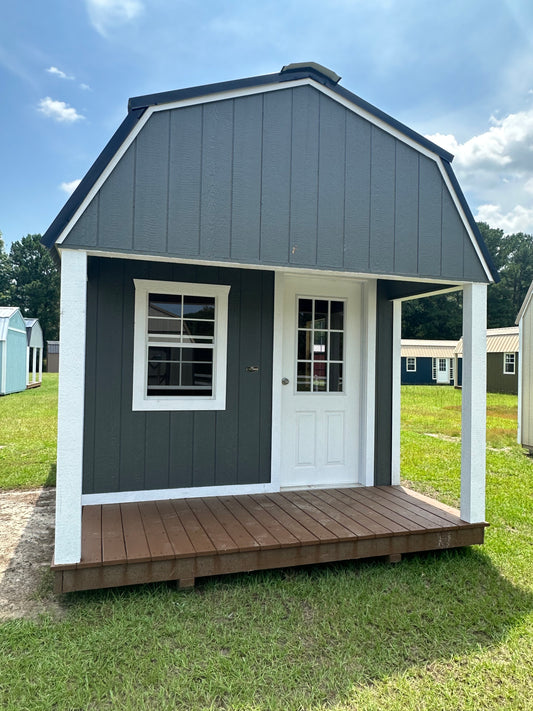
point(233, 267)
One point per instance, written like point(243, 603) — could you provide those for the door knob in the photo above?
point(285, 381)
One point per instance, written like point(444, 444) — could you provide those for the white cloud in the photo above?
point(106, 14)
point(58, 73)
point(70, 186)
point(85, 87)
point(59, 111)
point(495, 169)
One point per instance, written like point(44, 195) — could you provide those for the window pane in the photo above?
point(197, 374)
point(304, 377)
point(199, 307)
point(164, 325)
point(319, 377)
point(335, 378)
point(336, 346)
point(337, 315)
point(305, 313)
point(197, 355)
point(204, 329)
point(164, 305)
point(320, 346)
point(304, 345)
point(321, 314)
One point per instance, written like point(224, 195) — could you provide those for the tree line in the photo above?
point(441, 317)
point(29, 278)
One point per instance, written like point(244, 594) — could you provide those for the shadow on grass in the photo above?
point(51, 477)
point(308, 636)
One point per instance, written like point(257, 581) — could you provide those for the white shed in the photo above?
point(524, 320)
point(34, 353)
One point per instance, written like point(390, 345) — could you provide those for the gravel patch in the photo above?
point(26, 550)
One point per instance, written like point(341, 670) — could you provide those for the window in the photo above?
point(180, 343)
point(320, 337)
point(509, 363)
point(452, 371)
point(411, 365)
point(433, 369)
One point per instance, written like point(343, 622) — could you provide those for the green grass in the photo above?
point(28, 432)
point(439, 631)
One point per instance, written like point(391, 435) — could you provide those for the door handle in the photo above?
point(285, 381)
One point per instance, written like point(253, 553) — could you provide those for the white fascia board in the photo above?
point(457, 284)
point(262, 89)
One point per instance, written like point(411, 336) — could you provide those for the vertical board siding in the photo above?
point(304, 178)
point(246, 195)
point(276, 177)
point(383, 416)
point(382, 187)
point(185, 180)
point(116, 203)
point(217, 150)
point(129, 451)
point(331, 189)
point(289, 177)
point(151, 185)
point(429, 219)
point(357, 198)
point(406, 210)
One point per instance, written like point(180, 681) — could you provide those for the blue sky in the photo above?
point(459, 71)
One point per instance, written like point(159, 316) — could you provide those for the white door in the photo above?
point(320, 385)
point(443, 371)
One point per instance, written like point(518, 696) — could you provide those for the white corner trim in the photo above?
point(396, 391)
point(123, 497)
point(368, 384)
point(71, 407)
point(140, 401)
point(473, 436)
point(520, 380)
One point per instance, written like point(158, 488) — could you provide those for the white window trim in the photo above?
point(509, 372)
point(141, 401)
point(407, 368)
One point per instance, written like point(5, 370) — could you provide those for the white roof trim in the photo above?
point(262, 89)
point(525, 304)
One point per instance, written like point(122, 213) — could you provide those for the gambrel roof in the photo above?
point(281, 170)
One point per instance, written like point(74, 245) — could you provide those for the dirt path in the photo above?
point(26, 548)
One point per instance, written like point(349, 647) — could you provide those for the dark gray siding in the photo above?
point(497, 380)
point(126, 450)
point(288, 177)
point(383, 419)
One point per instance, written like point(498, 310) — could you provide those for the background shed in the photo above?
point(13, 350)
point(502, 359)
point(428, 362)
point(52, 356)
point(525, 372)
point(35, 352)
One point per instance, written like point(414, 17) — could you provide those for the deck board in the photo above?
point(182, 539)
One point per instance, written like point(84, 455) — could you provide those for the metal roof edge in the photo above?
point(471, 221)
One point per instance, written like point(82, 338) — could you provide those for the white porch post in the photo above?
point(28, 349)
point(71, 406)
point(34, 366)
point(396, 391)
point(40, 365)
point(473, 448)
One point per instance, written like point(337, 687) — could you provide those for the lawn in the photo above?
point(28, 432)
point(439, 631)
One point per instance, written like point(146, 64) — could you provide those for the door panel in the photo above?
point(321, 368)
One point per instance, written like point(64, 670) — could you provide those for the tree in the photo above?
point(5, 276)
point(35, 283)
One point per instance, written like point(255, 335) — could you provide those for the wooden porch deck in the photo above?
point(126, 544)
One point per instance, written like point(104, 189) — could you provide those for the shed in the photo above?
point(13, 350)
point(524, 321)
point(428, 362)
point(52, 356)
point(502, 360)
point(35, 352)
point(232, 272)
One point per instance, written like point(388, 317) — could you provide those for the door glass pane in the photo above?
point(321, 314)
point(304, 377)
point(305, 313)
point(320, 349)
